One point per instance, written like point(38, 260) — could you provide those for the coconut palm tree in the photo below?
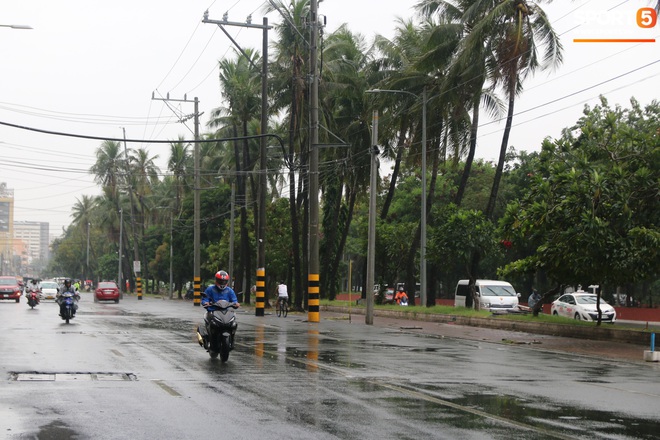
point(108, 169)
point(288, 86)
point(514, 31)
point(468, 70)
point(241, 87)
point(178, 165)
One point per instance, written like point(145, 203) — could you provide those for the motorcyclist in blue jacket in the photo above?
point(218, 291)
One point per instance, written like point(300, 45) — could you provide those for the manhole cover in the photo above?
point(71, 377)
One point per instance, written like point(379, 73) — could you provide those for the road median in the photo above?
point(605, 332)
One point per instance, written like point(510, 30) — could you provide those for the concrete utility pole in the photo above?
point(121, 238)
point(263, 183)
point(87, 259)
point(136, 250)
point(197, 298)
point(371, 237)
point(313, 277)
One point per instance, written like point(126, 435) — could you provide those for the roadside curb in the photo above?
point(642, 338)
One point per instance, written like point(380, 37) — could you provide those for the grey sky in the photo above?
point(90, 68)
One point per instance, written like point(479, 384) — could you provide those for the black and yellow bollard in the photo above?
point(197, 295)
point(139, 287)
point(260, 301)
point(314, 298)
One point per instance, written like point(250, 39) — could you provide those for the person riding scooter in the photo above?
point(401, 296)
point(219, 291)
point(67, 288)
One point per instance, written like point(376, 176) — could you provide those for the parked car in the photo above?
point(493, 295)
point(582, 306)
point(49, 289)
point(10, 289)
point(107, 291)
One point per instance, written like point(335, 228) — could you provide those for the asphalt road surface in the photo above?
point(135, 370)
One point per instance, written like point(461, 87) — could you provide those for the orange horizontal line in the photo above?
point(614, 40)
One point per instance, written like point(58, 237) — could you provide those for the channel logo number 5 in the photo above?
point(647, 18)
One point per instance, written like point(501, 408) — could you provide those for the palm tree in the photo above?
point(109, 167)
point(82, 213)
point(241, 85)
point(289, 87)
point(178, 166)
point(347, 74)
point(513, 31)
point(468, 69)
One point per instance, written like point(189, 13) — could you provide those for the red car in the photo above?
point(107, 291)
point(10, 289)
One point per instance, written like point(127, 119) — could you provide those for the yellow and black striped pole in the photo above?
point(139, 287)
point(260, 301)
point(313, 299)
point(197, 296)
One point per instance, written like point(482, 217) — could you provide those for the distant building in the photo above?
point(36, 236)
point(6, 229)
point(24, 245)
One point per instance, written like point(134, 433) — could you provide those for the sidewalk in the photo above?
point(602, 349)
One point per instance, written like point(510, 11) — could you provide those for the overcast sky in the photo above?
point(90, 68)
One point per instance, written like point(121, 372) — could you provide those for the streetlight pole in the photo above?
point(371, 237)
point(422, 246)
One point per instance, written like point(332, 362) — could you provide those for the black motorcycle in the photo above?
point(216, 335)
point(67, 301)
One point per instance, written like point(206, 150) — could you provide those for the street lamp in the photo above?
point(422, 247)
point(16, 26)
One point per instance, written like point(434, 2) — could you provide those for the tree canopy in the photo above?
point(592, 208)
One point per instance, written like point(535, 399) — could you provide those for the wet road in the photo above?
point(135, 370)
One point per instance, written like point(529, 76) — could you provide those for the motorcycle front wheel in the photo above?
point(224, 348)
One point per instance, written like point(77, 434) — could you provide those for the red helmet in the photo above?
point(221, 279)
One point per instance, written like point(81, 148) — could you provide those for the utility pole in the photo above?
point(231, 234)
point(171, 253)
point(136, 252)
point(371, 237)
point(313, 277)
point(197, 298)
point(121, 233)
point(87, 260)
point(263, 183)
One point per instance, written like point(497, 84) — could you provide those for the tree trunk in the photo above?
point(334, 267)
point(470, 157)
point(333, 199)
point(395, 171)
point(490, 209)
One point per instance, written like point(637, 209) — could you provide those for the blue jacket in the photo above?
point(213, 293)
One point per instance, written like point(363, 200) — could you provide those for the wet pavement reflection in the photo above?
point(332, 380)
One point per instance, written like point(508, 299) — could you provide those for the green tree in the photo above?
point(592, 209)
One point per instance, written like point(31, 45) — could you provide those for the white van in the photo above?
point(493, 295)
